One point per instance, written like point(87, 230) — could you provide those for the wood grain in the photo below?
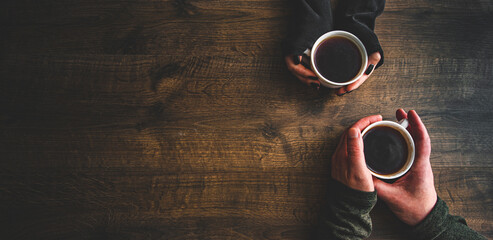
point(455, 29)
point(179, 120)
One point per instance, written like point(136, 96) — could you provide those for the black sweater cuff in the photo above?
point(358, 17)
point(310, 20)
point(313, 18)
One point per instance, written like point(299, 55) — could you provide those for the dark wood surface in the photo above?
point(179, 120)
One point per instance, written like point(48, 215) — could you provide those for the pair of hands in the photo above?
point(412, 197)
point(309, 78)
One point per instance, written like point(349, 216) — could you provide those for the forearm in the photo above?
point(439, 224)
point(348, 213)
point(310, 20)
point(358, 17)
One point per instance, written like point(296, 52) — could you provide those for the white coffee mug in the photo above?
point(327, 82)
point(401, 128)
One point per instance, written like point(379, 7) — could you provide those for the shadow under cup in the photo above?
point(338, 58)
point(389, 149)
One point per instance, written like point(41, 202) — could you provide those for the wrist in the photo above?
point(351, 195)
point(423, 212)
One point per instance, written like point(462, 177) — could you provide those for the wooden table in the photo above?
point(177, 119)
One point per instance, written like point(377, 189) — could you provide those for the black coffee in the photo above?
point(385, 150)
point(338, 59)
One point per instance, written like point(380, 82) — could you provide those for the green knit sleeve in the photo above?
point(439, 224)
point(348, 213)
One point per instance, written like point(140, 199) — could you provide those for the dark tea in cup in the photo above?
point(338, 59)
point(388, 148)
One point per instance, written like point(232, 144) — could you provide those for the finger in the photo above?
point(384, 190)
point(373, 60)
point(355, 85)
point(297, 59)
point(419, 130)
point(290, 59)
point(295, 68)
point(358, 83)
point(366, 121)
point(309, 82)
point(341, 91)
point(303, 71)
point(400, 114)
point(355, 150)
point(298, 68)
point(421, 138)
point(356, 161)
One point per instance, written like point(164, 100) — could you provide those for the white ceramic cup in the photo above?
point(401, 127)
point(327, 82)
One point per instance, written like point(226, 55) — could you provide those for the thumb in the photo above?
point(384, 190)
point(355, 148)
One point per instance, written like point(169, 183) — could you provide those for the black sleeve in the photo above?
point(439, 224)
point(358, 17)
point(310, 20)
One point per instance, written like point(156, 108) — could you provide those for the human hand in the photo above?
point(308, 77)
point(305, 75)
point(412, 197)
point(373, 59)
point(348, 161)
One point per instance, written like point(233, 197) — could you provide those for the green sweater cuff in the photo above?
point(433, 224)
point(439, 224)
point(356, 199)
point(348, 213)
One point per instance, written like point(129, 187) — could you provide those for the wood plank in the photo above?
point(435, 29)
point(179, 120)
point(248, 28)
point(220, 102)
point(148, 27)
point(244, 202)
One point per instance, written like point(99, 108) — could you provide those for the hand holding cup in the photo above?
point(412, 197)
point(338, 59)
point(348, 161)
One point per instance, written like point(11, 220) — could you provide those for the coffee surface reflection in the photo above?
point(338, 59)
point(386, 150)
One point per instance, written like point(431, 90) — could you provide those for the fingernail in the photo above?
point(296, 59)
point(313, 78)
point(353, 133)
point(315, 85)
point(369, 69)
point(341, 94)
point(350, 91)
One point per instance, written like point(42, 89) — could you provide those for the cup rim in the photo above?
point(352, 38)
point(410, 139)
